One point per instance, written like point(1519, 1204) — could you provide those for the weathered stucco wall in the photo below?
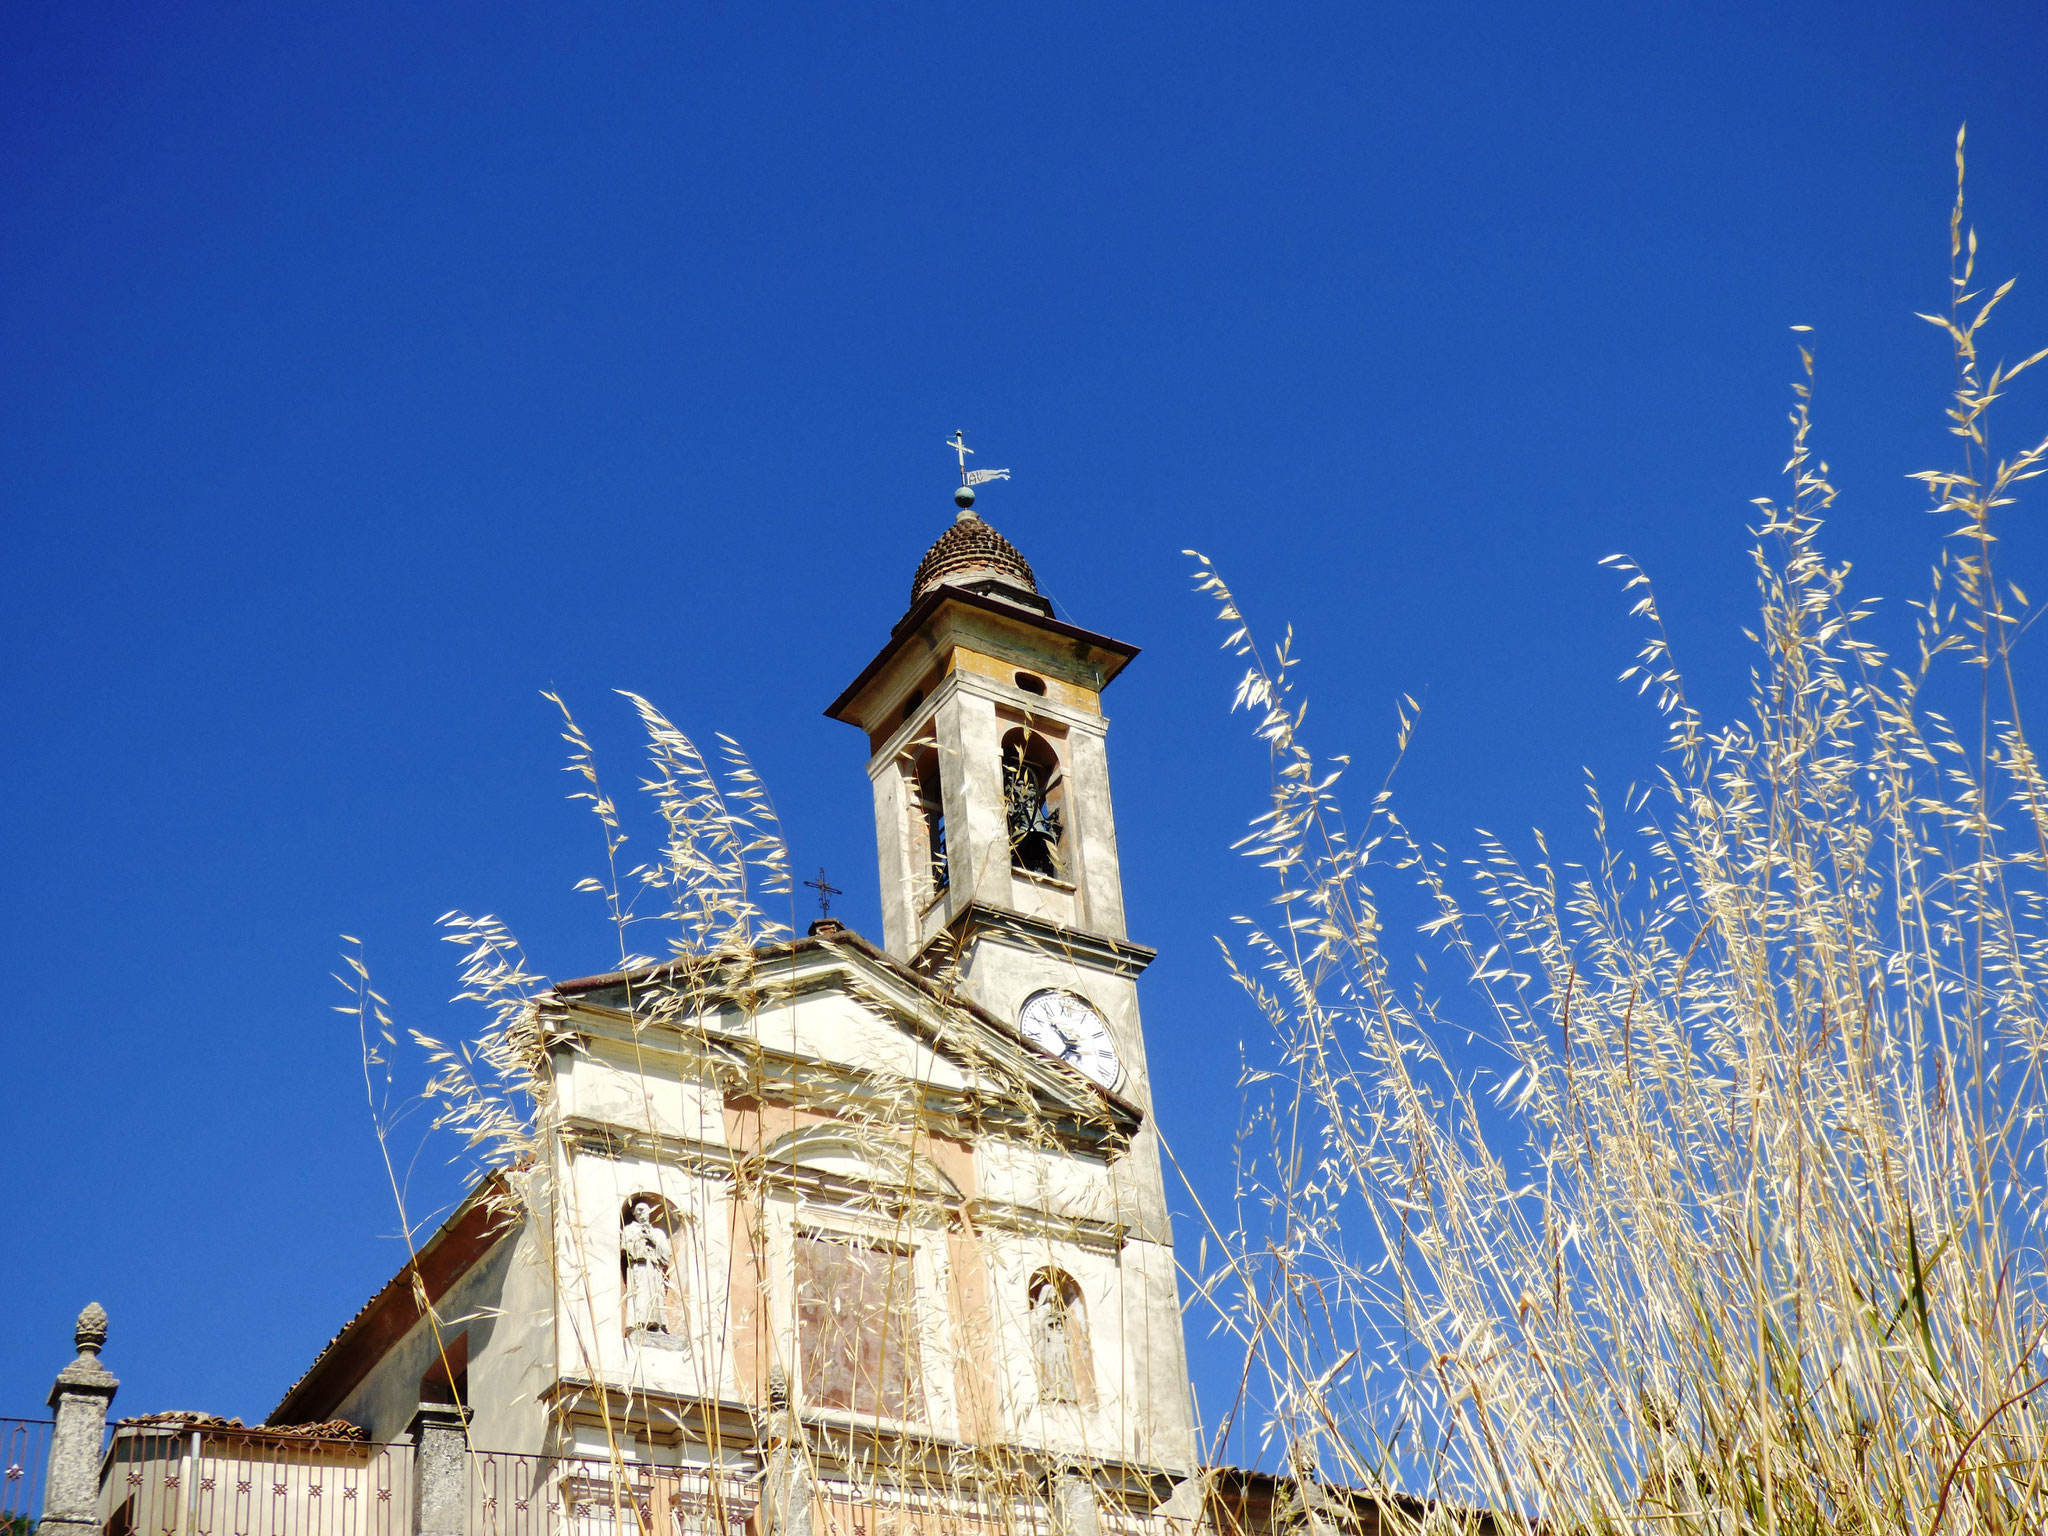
point(500, 1305)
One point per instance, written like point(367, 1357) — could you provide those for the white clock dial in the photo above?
point(1062, 1025)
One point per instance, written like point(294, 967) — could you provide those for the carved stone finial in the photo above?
point(92, 1329)
point(778, 1389)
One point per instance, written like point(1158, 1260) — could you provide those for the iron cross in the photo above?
point(958, 443)
point(826, 891)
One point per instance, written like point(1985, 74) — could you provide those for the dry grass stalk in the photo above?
point(1745, 1235)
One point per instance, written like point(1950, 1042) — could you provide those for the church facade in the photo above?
point(843, 1221)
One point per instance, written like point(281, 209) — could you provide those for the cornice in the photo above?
point(587, 1135)
point(1110, 656)
point(1040, 936)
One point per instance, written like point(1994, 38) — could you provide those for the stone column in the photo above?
point(440, 1470)
point(1186, 1508)
point(786, 1473)
point(71, 1494)
point(1074, 1509)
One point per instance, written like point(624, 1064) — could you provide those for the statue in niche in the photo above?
point(645, 1250)
point(1059, 1340)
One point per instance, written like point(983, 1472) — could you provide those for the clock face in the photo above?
point(1062, 1025)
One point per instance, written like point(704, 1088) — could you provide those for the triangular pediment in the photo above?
point(832, 1017)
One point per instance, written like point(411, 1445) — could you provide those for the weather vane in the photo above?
point(826, 891)
point(970, 478)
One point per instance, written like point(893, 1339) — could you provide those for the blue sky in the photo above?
point(371, 369)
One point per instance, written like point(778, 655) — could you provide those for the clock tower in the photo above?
point(996, 836)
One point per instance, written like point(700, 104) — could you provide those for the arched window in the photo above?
point(1059, 1340)
point(928, 821)
point(1034, 796)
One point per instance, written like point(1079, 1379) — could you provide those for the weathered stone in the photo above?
point(440, 1470)
point(1074, 1508)
point(1186, 1508)
point(786, 1473)
point(71, 1493)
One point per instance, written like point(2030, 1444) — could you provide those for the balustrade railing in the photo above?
point(174, 1480)
point(24, 1459)
point(513, 1495)
point(198, 1480)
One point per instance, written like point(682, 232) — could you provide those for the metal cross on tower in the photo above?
point(826, 891)
point(971, 477)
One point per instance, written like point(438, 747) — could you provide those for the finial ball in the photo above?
point(963, 498)
point(92, 1328)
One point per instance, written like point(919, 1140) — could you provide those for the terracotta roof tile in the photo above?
point(968, 549)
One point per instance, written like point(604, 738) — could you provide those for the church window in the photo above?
point(1059, 1339)
point(910, 705)
point(1033, 796)
point(856, 1323)
point(1031, 683)
point(929, 822)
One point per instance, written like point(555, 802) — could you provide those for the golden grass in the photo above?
point(1745, 1233)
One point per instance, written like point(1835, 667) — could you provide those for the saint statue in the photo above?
point(1058, 1340)
point(645, 1251)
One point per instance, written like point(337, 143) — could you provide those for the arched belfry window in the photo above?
point(1059, 1339)
point(928, 821)
point(1034, 795)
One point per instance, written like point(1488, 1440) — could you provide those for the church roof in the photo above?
point(968, 551)
point(478, 1224)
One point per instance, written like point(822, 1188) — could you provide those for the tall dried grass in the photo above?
point(1745, 1233)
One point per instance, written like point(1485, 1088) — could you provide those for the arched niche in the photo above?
point(1061, 1353)
point(651, 1262)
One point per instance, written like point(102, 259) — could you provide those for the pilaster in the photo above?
point(970, 771)
point(1101, 874)
point(892, 853)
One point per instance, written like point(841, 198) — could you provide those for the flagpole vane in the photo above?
point(969, 478)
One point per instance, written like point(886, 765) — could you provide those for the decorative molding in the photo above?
point(1041, 936)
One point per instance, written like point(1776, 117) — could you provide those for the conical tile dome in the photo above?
point(967, 552)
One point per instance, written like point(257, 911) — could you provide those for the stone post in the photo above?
point(440, 1470)
point(71, 1493)
point(1186, 1508)
point(1074, 1511)
point(786, 1473)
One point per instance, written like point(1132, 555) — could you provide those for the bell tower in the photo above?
point(994, 825)
point(996, 837)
